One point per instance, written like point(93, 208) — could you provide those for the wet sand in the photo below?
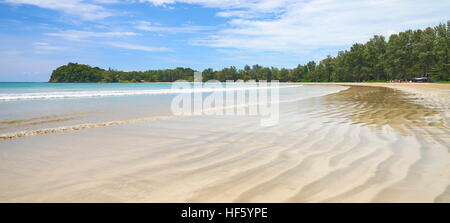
point(363, 144)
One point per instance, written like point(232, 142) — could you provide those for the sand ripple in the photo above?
point(363, 144)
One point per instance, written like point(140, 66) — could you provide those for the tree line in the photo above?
point(408, 54)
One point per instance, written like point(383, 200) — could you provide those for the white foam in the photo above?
point(84, 94)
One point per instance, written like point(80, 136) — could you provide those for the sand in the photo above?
point(388, 143)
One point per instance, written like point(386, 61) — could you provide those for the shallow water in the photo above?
point(39, 106)
point(358, 145)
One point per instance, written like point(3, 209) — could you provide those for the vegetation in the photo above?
point(405, 55)
point(74, 72)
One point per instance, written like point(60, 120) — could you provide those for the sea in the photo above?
point(39, 106)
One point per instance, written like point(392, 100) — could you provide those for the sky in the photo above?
point(37, 36)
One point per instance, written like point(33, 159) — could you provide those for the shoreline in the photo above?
point(360, 144)
point(430, 92)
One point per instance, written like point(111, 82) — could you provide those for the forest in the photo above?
point(408, 54)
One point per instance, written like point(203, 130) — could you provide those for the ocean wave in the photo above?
point(85, 94)
point(78, 127)
point(60, 129)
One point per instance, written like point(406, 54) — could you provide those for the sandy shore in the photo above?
point(388, 143)
point(430, 91)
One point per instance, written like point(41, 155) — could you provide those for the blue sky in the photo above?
point(37, 36)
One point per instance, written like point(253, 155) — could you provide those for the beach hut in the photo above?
point(420, 79)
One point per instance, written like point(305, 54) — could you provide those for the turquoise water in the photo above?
point(29, 91)
point(34, 87)
point(31, 106)
point(65, 86)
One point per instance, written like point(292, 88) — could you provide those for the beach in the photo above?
point(335, 142)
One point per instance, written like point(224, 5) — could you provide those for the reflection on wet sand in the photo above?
point(379, 106)
point(32, 123)
point(38, 120)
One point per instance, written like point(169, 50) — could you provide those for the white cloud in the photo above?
point(106, 1)
point(255, 5)
point(79, 8)
point(82, 35)
point(130, 46)
point(106, 38)
point(237, 13)
point(154, 27)
point(294, 26)
point(42, 47)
